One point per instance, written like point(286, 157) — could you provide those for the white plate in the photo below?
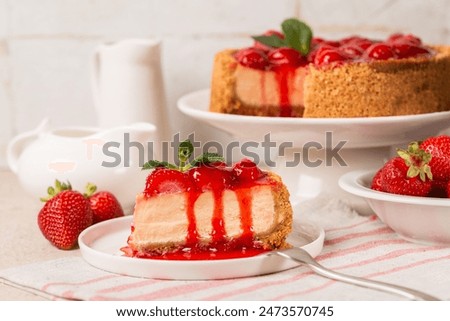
point(361, 132)
point(417, 219)
point(100, 246)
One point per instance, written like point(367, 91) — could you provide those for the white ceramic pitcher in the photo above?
point(109, 158)
point(127, 84)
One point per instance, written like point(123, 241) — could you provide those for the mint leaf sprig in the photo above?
point(185, 150)
point(297, 35)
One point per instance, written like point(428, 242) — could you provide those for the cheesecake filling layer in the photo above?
point(280, 90)
point(232, 221)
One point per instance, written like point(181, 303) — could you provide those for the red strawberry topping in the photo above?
point(380, 51)
point(326, 55)
point(296, 47)
point(253, 58)
point(352, 50)
point(360, 42)
point(246, 171)
point(316, 41)
point(285, 57)
point(406, 50)
point(331, 43)
point(164, 180)
point(207, 177)
point(402, 38)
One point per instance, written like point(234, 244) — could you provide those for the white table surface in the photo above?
point(20, 238)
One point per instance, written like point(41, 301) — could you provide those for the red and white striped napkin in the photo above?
point(356, 245)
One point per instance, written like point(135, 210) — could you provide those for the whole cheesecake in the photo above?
point(350, 77)
point(210, 211)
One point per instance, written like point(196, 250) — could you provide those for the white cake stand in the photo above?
point(312, 153)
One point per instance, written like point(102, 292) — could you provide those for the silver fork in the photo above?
point(302, 256)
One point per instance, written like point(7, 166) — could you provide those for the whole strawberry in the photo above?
point(408, 173)
point(439, 148)
point(65, 215)
point(376, 181)
point(104, 205)
point(438, 188)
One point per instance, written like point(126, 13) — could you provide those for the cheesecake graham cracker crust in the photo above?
point(283, 209)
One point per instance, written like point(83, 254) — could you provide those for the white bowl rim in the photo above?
point(352, 182)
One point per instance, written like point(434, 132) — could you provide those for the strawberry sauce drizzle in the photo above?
point(218, 222)
point(221, 246)
point(192, 234)
point(244, 197)
point(283, 76)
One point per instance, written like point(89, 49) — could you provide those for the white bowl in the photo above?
point(424, 220)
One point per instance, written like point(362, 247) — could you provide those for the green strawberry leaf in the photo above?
point(297, 34)
point(271, 41)
point(152, 164)
point(58, 188)
point(89, 190)
point(207, 158)
point(185, 151)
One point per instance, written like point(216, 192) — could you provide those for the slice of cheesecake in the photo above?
point(210, 211)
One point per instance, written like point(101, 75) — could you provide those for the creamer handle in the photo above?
point(18, 143)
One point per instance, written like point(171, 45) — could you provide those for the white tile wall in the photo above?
point(144, 17)
point(3, 18)
point(52, 81)
point(427, 19)
point(46, 45)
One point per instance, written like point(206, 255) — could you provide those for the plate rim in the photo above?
point(187, 109)
point(87, 252)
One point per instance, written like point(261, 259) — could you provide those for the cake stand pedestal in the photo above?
point(318, 172)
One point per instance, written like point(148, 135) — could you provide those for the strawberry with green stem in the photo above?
point(65, 215)
point(409, 173)
point(104, 204)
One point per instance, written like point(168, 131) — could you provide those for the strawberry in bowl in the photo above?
point(421, 170)
point(411, 192)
